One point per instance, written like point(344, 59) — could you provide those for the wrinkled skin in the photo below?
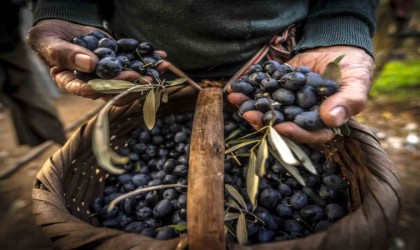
point(356, 72)
point(51, 39)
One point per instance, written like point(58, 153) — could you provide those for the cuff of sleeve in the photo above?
point(76, 11)
point(332, 31)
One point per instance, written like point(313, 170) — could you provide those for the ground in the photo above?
point(396, 123)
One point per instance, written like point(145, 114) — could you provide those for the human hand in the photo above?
point(51, 39)
point(356, 79)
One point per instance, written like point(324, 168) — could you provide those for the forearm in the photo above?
point(85, 12)
point(335, 22)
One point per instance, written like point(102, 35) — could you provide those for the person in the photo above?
point(34, 117)
point(213, 39)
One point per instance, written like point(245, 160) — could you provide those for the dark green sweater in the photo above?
point(221, 34)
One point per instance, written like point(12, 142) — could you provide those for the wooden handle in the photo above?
point(205, 177)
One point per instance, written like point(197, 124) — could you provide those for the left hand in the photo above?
point(356, 79)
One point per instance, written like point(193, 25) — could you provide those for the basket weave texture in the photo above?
point(70, 179)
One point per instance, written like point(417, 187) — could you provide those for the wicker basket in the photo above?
point(70, 179)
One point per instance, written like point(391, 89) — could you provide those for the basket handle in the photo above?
point(205, 178)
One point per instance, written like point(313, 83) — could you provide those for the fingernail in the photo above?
point(83, 62)
point(339, 114)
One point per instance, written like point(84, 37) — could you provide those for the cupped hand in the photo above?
point(356, 79)
point(51, 39)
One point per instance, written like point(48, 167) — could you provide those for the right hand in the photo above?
point(51, 39)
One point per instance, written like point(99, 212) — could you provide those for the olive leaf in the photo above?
point(289, 168)
point(332, 72)
point(100, 143)
point(337, 131)
point(158, 97)
point(252, 180)
point(116, 158)
point(345, 129)
point(243, 155)
point(281, 147)
point(238, 146)
point(137, 167)
point(231, 216)
point(149, 110)
point(262, 156)
point(177, 81)
point(114, 86)
point(235, 194)
point(233, 204)
point(248, 135)
point(178, 227)
point(241, 231)
point(233, 134)
point(229, 229)
point(100, 136)
point(301, 155)
point(165, 96)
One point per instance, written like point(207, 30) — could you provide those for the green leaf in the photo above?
point(252, 180)
point(149, 110)
point(345, 129)
point(301, 155)
point(262, 156)
point(177, 81)
point(233, 204)
point(229, 229)
point(233, 134)
point(291, 169)
point(158, 97)
point(231, 216)
point(137, 167)
point(281, 147)
point(337, 131)
point(179, 227)
point(114, 86)
point(116, 158)
point(235, 194)
point(250, 134)
point(339, 58)
point(333, 70)
point(165, 96)
point(100, 143)
point(241, 232)
point(243, 144)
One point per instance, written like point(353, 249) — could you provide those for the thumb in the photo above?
point(350, 99)
point(56, 51)
point(70, 56)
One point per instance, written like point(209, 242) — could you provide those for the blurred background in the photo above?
point(392, 113)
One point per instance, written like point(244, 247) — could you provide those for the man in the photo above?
point(213, 39)
point(34, 117)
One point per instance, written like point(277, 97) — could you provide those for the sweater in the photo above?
point(215, 38)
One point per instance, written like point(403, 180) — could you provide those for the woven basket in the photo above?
point(70, 179)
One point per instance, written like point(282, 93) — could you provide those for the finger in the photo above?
point(162, 53)
point(237, 99)
point(128, 75)
point(58, 52)
point(350, 99)
point(254, 118)
point(163, 66)
point(67, 55)
point(298, 134)
point(65, 79)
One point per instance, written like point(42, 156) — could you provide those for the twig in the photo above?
point(174, 69)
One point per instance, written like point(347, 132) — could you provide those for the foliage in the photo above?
point(398, 78)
